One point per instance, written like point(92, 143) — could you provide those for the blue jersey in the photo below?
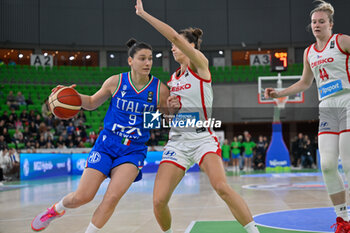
point(125, 113)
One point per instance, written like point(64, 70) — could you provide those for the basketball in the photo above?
point(65, 103)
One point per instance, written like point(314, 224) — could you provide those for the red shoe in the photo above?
point(341, 226)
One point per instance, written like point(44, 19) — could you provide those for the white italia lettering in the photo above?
point(136, 107)
point(130, 106)
point(124, 101)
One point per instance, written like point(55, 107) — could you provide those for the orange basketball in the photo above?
point(65, 103)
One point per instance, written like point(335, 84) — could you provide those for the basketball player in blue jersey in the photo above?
point(327, 61)
point(120, 149)
point(191, 84)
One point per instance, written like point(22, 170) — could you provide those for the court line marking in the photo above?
point(189, 228)
point(291, 228)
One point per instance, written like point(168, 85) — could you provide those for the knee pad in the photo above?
point(329, 153)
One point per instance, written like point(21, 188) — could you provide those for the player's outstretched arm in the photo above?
point(196, 57)
point(97, 99)
point(304, 83)
point(163, 96)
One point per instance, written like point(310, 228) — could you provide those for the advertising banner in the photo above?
point(36, 166)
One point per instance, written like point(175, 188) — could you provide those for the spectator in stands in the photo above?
point(78, 122)
point(10, 123)
point(79, 142)
point(18, 124)
point(225, 153)
point(45, 110)
point(6, 135)
point(300, 149)
point(248, 153)
point(13, 114)
point(152, 142)
point(306, 158)
point(49, 145)
point(235, 153)
point(3, 143)
point(92, 137)
point(259, 162)
point(60, 142)
point(33, 129)
point(69, 141)
point(5, 162)
point(49, 137)
point(21, 100)
point(18, 136)
point(70, 128)
point(31, 115)
point(82, 133)
point(241, 155)
point(15, 168)
point(11, 100)
point(261, 146)
point(38, 120)
point(30, 143)
point(26, 133)
point(50, 121)
point(64, 134)
point(2, 125)
point(60, 128)
point(42, 142)
point(5, 117)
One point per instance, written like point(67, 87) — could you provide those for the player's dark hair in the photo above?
point(134, 46)
point(193, 35)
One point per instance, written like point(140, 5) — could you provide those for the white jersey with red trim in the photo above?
point(330, 67)
point(196, 98)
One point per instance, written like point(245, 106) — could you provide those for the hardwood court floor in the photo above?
point(194, 200)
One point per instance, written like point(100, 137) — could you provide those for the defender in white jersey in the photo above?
point(327, 61)
point(190, 87)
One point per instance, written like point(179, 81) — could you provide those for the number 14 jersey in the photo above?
point(330, 67)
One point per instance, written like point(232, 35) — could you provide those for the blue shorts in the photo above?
point(235, 156)
point(248, 155)
point(109, 152)
point(226, 159)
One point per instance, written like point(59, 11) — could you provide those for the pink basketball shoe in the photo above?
point(41, 221)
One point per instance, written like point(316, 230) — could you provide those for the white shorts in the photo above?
point(185, 153)
point(335, 114)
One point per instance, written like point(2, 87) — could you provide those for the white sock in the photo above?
point(251, 227)
point(92, 228)
point(342, 211)
point(59, 207)
point(169, 231)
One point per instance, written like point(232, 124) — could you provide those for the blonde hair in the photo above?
point(325, 7)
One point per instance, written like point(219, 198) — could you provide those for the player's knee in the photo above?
point(221, 188)
point(159, 202)
point(81, 198)
point(329, 166)
point(111, 199)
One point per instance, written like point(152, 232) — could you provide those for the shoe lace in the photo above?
point(49, 214)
